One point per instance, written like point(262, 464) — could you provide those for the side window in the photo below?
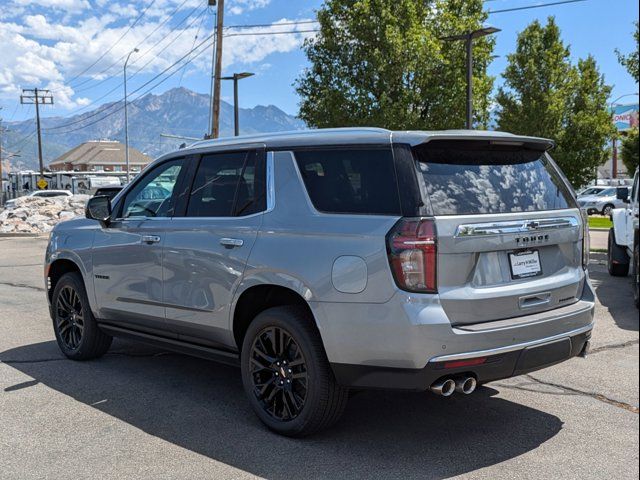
point(348, 180)
point(153, 195)
point(228, 184)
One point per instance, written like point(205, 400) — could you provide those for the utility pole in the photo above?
point(215, 114)
point(37, 97)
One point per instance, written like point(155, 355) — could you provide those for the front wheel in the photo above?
point(286, 374)
point(606, 211)
point(74, 325)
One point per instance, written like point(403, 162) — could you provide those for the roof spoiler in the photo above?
point(531, 143)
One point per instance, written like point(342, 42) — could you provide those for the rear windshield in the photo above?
point(350, 180)
point(474, 178)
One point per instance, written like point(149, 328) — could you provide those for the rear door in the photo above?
point(509, 232)
point(209, 242)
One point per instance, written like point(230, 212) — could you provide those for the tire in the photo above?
point(606, 211)
point(617, 258)
point(75, 327)
point(274, 377)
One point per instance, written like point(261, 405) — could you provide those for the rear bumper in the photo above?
point(406, 342)
point(502, 363)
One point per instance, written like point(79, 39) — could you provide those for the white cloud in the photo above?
point(71, 6)
point(42, 46)
point(237, 7)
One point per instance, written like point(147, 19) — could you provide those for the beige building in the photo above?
point(99, 156)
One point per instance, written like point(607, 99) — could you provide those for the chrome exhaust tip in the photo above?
point(466, 385)
point(444, 388)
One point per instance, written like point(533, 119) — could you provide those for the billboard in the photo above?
point(625, 117)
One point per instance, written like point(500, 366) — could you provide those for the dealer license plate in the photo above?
point(525, 264)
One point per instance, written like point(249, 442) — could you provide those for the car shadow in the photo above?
point(201, 406)
point(614, 293)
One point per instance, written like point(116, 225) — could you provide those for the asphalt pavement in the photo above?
point(141, 412)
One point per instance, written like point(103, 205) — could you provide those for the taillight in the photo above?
point(586, 244)
point(412, 250)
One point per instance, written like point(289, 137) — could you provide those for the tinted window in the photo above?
point(153, 195)
point(228, 184)
point(471, 178)
point(607, 193)
point(347, 180)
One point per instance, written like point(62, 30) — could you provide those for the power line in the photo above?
point(114, 44)
point(168, 68)
point(93, 102)
point(514, 9)
point(262, 25)
point(206, 40)
point(160, 25)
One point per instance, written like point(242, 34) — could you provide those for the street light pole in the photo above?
point(469, 37)
point(236, 109)
point(126, 118)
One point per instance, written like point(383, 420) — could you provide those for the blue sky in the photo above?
point(51, 42)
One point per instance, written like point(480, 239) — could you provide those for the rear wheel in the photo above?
point(617, 258)
point(75, 327)
point(606, 211)
point(286, 374)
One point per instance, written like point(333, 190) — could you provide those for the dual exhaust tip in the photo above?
point(447, 386)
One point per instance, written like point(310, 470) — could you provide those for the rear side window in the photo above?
point(477, 177)
point(228, 184)
point(350, 180)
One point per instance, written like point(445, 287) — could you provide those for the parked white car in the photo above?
point(589, 191)
point(40, 193)
point(605, 201)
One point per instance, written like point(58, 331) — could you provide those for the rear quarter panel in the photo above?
point(297, 246)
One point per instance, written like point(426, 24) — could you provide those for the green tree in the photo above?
point(545, 95)
point(380, 63)
point(629, 151)
point(630, 61)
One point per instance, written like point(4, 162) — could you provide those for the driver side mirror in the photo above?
point(99, 208)
point(623, 194)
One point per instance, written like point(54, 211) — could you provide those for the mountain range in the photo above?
point(178, 111)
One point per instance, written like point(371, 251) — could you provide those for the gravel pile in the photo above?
point(39, 215)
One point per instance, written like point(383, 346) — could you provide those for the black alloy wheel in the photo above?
point(279, 373)
point(69, 317)
point(77, 332)
point(286, 373)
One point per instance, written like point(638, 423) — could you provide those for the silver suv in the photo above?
point(326, 260)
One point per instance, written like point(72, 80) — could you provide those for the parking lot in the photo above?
point(140, 412)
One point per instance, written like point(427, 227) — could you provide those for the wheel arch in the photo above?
point(259, 296)
point(66, 262)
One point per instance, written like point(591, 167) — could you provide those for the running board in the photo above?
point(178, 346)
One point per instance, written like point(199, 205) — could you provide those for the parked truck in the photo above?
point(623, 254)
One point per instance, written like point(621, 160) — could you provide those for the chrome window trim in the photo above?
point(511, 226)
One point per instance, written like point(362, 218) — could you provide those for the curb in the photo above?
point(598, 229)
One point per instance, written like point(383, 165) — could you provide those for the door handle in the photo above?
point(231, 242)
point(150, 239)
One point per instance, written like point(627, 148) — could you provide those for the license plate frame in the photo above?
point(531, 266)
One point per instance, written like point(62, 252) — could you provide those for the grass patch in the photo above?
point(600, 222)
